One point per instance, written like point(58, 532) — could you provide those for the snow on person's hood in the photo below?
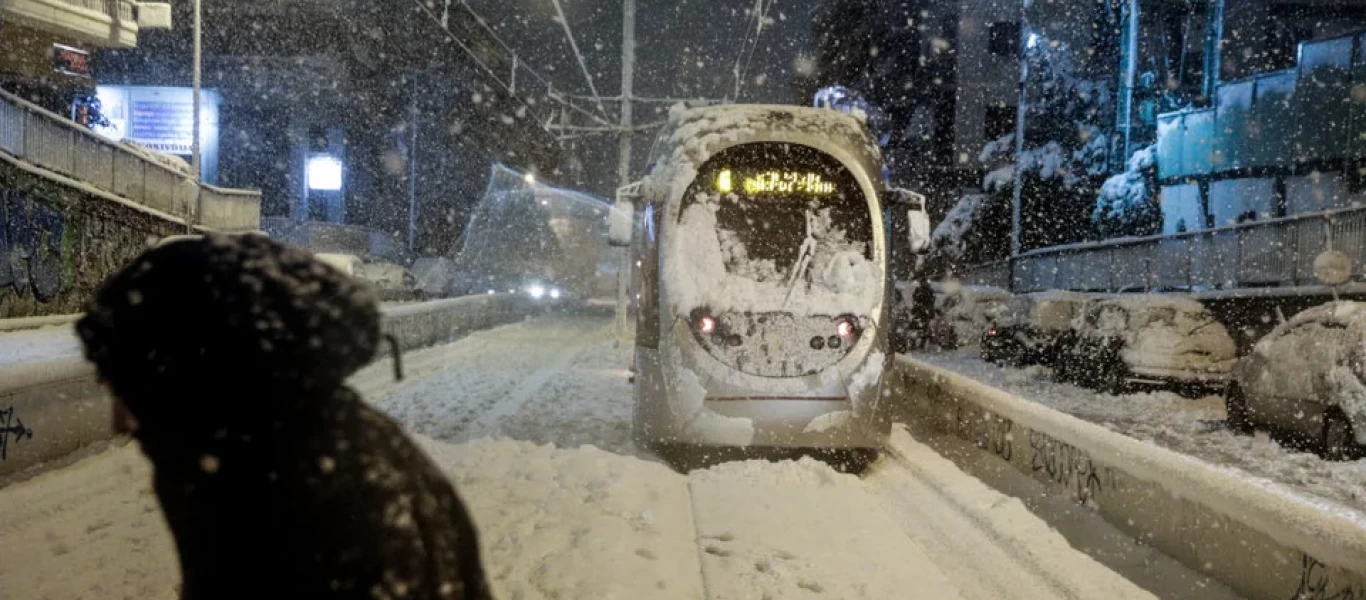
point(227, 315)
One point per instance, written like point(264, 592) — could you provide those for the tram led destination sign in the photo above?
point(776, 182)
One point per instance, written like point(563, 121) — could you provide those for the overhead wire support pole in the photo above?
point(628, 68)
point(1128, 69)
point(1021, 112)
point(195, 158)
point(412, 171)
point(583, 64)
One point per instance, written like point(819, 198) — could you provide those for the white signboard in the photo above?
point(160, 118)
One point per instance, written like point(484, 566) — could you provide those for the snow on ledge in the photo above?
point(1324, 531)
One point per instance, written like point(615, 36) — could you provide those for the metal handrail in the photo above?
point(1283, 257)
point(40, 137)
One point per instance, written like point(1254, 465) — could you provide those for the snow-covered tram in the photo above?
point(761, 237)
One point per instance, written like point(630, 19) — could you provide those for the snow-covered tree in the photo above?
point(1128, 202)
point(1066, 144)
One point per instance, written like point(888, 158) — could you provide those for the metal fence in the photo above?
point(61, 146)
point(1278, 252)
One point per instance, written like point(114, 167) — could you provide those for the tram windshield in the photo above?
point(777, 227)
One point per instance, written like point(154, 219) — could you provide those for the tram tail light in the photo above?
point(845, 329)
point(706, 324)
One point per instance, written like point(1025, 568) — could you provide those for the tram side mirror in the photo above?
point(622, 217)
point(917, 219)
point(919, 223)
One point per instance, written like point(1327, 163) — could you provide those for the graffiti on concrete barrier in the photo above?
point(1317, 584)
point(1064, 464)
point(31, 246)
point(990, 432)
point(11, 426)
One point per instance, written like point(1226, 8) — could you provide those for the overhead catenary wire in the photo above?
point(443, 20)
point(751, 40)
point(583, 64)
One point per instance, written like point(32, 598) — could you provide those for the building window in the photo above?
point(1005, 38)
point(999, 122)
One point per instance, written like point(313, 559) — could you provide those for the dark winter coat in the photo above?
point(276, 480)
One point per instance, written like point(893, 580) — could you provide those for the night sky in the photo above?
point(685, 48)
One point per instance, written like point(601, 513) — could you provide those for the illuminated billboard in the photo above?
point(162, 119)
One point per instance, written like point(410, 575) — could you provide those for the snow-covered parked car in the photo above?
point(1149, 339)
point(393, 282)
point(970, 310)
point(1306, 378)
point(1028, 331)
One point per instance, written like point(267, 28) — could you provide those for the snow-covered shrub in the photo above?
point(1127, 204)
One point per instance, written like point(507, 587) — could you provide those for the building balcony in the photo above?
point(102, 23)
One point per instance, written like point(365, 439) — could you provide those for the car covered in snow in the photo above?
point(392, 281)
point(1148, 338)
point(969, 310)
point(1030, 328)
point(1307, 378)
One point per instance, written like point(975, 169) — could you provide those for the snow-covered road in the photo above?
point(570, 521)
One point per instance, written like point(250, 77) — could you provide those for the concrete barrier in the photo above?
point(53, 408)
point(1264, 543)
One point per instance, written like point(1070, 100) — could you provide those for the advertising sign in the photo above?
point(162, 119)
point(70, 61)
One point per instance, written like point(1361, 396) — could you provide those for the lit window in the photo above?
point(324, 173)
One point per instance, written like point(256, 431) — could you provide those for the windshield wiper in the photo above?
point(804, 255)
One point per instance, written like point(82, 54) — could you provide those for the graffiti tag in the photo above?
point(11, 425)
point(31, 246)
point(1315, 584)
point(1066, 465)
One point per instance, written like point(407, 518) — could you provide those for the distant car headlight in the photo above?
point(536, 291)
point(555, 293)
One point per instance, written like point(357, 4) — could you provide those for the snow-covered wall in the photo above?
point(60, 239)
point(53, 405)
point(1262, 543)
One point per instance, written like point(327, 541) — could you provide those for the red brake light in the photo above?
point(991, 332)
point(706, 325)
point(845, 329)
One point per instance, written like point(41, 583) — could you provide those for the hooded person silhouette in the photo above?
point(226, 357)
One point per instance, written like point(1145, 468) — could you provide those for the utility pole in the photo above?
point(1020, 114)
point(628, 68)
point(1214, 37)
point(1128, 70)
point(194, 142)
point(412, 170)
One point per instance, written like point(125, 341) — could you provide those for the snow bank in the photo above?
point(581, 523)
point(801, 530)
point(1295, 498)
point(53, 342)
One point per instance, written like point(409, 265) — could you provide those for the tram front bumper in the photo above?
point(795, 422)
